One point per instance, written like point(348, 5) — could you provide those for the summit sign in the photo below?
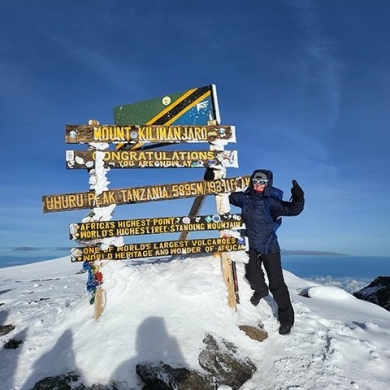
point(75, 134)
point(121, 196)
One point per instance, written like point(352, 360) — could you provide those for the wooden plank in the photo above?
point(133, 227)
point(152, 159)
point(143, 134)
point(195, 208)
point(152, 249)
point(84, 200)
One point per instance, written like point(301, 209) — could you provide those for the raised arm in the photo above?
point(237, 199)
point(295, 206)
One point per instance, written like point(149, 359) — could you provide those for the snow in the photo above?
point(161, 310)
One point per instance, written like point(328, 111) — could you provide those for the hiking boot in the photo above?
point(285, 329)
point(254, 300)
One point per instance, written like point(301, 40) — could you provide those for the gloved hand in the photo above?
point(296, 191)
point(215, 173)
point(209, 174)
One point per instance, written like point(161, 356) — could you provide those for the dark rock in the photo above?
point(221, 364)
point(60, 382)
point(69, 381)
point(161, 376)
point(220, 359)
point(378, 292)
point(4, 329)
point(12, 344)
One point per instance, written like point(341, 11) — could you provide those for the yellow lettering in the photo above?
point(109, 197)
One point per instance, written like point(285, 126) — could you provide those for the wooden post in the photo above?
point(195, 209)
point(98, 183)
point(227, 265)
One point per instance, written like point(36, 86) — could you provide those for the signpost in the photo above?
point(135, 134)
point(135, 227)
point(151, 159)
point(191, 116)
point(165, 248)
point(121, 196)
point(195, 106)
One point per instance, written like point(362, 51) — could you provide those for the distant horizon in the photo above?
point(303, 263)
point(350, 273)
point(49, 252)
point(315, 253)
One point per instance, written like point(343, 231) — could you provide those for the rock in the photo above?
point(254, 333)
point(4, 329)
point(12, 344)
point(223, 367)
point(59, 382)
point(161, 376)
point(378, 292)
point(69, 381)
point(220, 358)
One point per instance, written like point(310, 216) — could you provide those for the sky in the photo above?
point(337, 342)
point(305, 83)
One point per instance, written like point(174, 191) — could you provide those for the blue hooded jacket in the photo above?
point(260, 210)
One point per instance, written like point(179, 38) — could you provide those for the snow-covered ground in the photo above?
point(162, 311)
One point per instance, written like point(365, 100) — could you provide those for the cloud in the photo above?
point(318, 68)
point(26, 249)
point(118, 74)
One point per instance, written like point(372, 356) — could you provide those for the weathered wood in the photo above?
point(159, 225)
point(152, 249)
point(195, 208)
point(76, 159)
point(227, 270)
point(84, 200)
point(80, 134)
point(228, 266)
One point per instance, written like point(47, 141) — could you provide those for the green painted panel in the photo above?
point(193, 106)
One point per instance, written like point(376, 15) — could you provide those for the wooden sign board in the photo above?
point(85, 200)
point(130, 227)
point(195, 106)
point(165, 248)
point(149, 159)
point(81, 134)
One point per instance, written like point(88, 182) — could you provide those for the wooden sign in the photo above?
point(80, 134)
point(165, 248)
point(85, 200)
point(149, 159)
point(130, 227)
point(195, 106)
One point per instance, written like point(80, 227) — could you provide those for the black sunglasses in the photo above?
point(259, 181)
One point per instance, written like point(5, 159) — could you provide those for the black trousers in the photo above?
point(277, 286)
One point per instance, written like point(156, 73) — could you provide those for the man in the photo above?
point(262, 208)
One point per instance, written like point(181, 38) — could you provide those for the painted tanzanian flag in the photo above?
point(195, 106)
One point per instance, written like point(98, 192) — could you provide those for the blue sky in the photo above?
point(306, 83)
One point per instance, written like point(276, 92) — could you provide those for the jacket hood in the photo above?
point(266, 172)
point(267, 190)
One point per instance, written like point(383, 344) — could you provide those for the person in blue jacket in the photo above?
point(262, 208)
